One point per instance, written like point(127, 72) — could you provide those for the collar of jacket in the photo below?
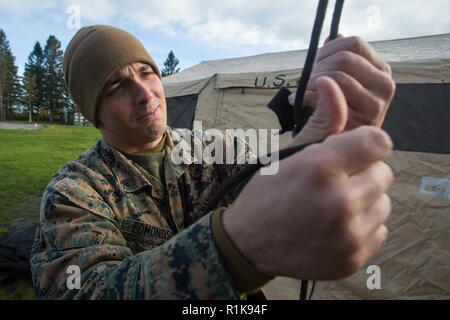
point(129, 175)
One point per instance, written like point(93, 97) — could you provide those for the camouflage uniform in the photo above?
point(132, 237)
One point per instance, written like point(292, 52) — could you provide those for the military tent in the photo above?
point(415, 261)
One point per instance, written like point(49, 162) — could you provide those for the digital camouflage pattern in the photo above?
point(132, 237)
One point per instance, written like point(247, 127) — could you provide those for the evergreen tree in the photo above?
point(170, 65)
point(9, 80)
point(54, 89)
point(30, 92)
point(35, 68)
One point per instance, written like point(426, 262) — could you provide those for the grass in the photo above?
point(28, 159)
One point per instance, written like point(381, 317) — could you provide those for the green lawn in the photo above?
point(28, 159)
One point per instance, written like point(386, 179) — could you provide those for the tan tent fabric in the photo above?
point(415, 260)
point(416, 60)
point(413, 49)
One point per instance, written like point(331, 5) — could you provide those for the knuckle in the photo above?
point(344, 59)
point(375, 139)
point(387, 68)
point(383, 233)
point(344, 205)
point(351, 247)
point(354, 263)
point(388, 173)
point(357, 44)
point(388, 87)
point(391, 87)
point(370, 134)
point(319, 169)
point(378, 106)
point(341, 77)
point(388, 205)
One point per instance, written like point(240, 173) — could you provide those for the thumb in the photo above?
point(330, 116)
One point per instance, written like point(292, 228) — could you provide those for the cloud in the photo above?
point(230, 22)
point(97, 11)
point(281, 24)
point(26, 9)
point(226, 28)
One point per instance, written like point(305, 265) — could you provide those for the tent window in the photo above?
point(181, 111)
point(419, 116)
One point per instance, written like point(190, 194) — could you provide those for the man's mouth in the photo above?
point(149, 114)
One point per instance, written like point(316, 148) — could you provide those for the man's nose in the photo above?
point(142, 93)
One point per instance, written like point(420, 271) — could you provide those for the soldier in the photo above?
point(132, 220)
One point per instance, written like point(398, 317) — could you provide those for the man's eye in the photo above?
point(116, 83)
point(147, 73)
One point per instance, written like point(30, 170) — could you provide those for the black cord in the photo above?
point(312, 51)
point(336, 19)
point(246, 173)
point(303, 289)
point(312, 290)
point(309, 63)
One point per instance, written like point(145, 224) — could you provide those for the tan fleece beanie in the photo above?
point(92, 55)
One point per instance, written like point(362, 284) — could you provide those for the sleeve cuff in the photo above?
point(245, 276)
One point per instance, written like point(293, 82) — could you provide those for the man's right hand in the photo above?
point(321, 217)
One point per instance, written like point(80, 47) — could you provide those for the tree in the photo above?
point(35, 68)
point(170, 65)
point(9, 80)
point(30, 90)
point(54, 89)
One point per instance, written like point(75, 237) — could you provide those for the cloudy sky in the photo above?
point(198, 30)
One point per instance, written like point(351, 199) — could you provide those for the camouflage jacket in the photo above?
point(130, 236)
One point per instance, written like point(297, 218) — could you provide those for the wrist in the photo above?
point(248, 241)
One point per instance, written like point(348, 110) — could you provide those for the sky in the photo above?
point(199, 30)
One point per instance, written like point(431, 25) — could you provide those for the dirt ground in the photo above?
point(19, 126)
point(282, 289)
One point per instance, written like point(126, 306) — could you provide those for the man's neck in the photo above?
point(133, 148)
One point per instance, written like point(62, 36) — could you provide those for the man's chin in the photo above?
point(156, 130)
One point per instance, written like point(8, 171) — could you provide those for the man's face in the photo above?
point(132, 108)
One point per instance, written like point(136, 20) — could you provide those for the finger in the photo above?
point(369, 109)
point(376, 215)
point(330, 116)
point(310, 98)
point(371, 183)
point(375, 241)
point(355, 150)
point(359, 68)
point(355, 45)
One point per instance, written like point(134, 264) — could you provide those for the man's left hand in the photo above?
point(364, 78)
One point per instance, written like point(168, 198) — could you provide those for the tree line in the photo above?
point(40, 93)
